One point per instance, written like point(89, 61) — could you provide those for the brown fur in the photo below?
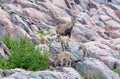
point(43, 41)
point(65, 55)
point(64, 42)
point(65, 29)
point(85, 50)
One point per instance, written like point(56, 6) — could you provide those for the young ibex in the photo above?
point(65, 42)
point(85, 50)
point(62, 57)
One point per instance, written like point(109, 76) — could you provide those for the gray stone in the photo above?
point(105, 17)
point(8, 78)
point(113, 23)
point(3, 31)
point(72, 72)
point(74, 49)
point(34, 28)
point(13, 8)
point(107, 1)
point(7, 73)
point(1, 73)
point(4, 51)
point(21, 75)
point(110, 62)
point(61, 73)
point(94, 68)
point(21, 22)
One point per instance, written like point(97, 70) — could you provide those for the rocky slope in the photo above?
point(98, 25)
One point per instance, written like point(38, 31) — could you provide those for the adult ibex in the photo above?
point(66, 28)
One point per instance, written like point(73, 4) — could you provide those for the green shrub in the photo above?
point(23, 55)
point(117, 71)
point(3, 63)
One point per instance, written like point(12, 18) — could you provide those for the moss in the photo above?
point(41, 34)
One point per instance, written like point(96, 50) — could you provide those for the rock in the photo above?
point(113, 23)
point(12, 8)
point(3, 31)
point(43, 48)
point(105, 17)
point(7, 73)
point(97, 49)
point(118, 66)
point(97, 25)
point(34, 39)
point(103, 35)
point(0, 77)
point(117, 12)
point(20, 75)
point(92, 5)
point(71, 72)
point(18, 20)
point(57, 12)
point(86, 17)
point(63, 73)
point(117, 47)
point(56, 47)
point(116, 2)
point(83, 31)
point(94, 68)
point(113, 34)
point(9, 78)
point(93, 12)
point(111, 62)
point(35, 16)
point(10, 1)
point(4, 51)
point(20, 32)
point(1, 73)
point(110, 11)
point(6, 23)
point(110, 28)
point(107, 1)
point(74, 49)
point(115, 41)
point(60, 3)
point(34, 28)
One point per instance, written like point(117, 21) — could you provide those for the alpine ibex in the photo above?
point(65, 29)
point(65, 42)
point(85, 50)
point(62, 57)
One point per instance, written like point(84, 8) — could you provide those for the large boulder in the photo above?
point(111, 62)
point(62, 73)
point(5, 23)
point(93, 68)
